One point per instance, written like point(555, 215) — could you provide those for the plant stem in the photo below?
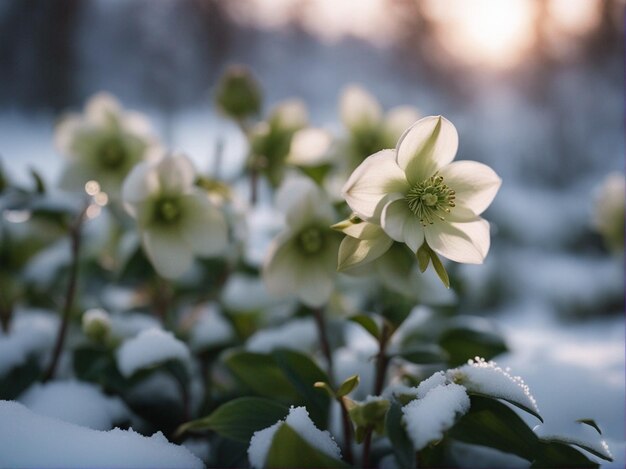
point(382, 362)
point(347, 433)
point(320, 321)
point(75, 242)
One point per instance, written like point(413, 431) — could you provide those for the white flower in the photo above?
point(608, 216)
point(102, 144)
point(177, 220)
point(370, 128)
point(363, 243)
point(301, 260)
point(418, 195)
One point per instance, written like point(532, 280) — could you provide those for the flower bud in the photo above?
point(96, 324)
point(238, 93)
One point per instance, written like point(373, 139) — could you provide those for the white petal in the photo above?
point(356, 252)
point(169, 254)
point(393, 217)
point(74, 176)
point(426, 147)
point(141, 183)
point(310, 147)
point(176, 173)
point(361, 230)
point(461, 242)
point(374, 179)
point(399, 119)
point(102, 108)
point(475, 184)
point(358, 108)
point(302, 201)
point(317, 284)
point(65, 132)
point(204, 226)
point(413, 233)
point(289, 115)
point(280, 270)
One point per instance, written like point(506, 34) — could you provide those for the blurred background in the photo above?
point(534, 87)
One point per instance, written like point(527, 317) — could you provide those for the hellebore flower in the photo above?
point(176, 219)
point(418, 195)
point(302, 258)
point(102, 144)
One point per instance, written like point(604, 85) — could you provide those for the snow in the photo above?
point(577, 434)
point(150, 348)
point(260, 444)
point(437, 379)
point(298, 334)
point(128, 325)
point(32, 333)
point(75, 402)
point(211, 329)
point(428, 418)
point(488, 378)
point(299, 420)
point(30, 440)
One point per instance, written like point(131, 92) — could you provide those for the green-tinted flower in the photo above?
point(177, 220)
point(418, 195)
point(102, 144)
point(302, 258)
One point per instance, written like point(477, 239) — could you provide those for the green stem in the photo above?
point(320, 321)
point(347, 433)
point(75, 243)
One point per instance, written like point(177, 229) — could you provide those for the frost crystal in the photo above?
point(428, 418)
point(488, 378)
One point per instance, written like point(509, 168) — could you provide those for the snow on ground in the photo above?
point(32, 333)
point(210, 329)
point(297, 334)
point(150, 348)
point(76, 402)
point(31, 440)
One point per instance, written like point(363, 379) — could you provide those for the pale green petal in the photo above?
point(360, 230)
point(358, 108)
point(475, 184)
point(176, 173)
point(66, 131)
point(374, 179)
point(280, 269)
point(169, 254)
point(204, 226)
point(74, 175)
point(426, 147)
point(356, 252)
point(316, 284)
point(141, 183)
point(461, 242)
point(289, 115)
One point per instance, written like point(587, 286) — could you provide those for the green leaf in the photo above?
point(289, 450)
point(326, 387)
point(303, 373)
point(13, 383)
point(348, 386)
point(368, 323)
point(423, 257)
point(240, 418)
point(553, 454)
point(262, 375)
point(467, 341)
point(400, 442)
point(424, 354)
point(40, 185)
point(491, 423)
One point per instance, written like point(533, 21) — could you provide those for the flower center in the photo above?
point(311, 240)
point(430, 199)
point(112, 154)
point(167, 211)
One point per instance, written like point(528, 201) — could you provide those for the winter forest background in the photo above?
point(535, 89)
